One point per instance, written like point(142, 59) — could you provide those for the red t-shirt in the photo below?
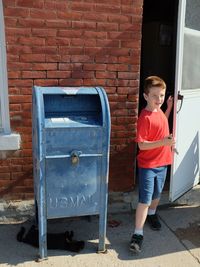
point(153, 126)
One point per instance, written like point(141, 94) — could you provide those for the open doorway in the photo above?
point(158, 53)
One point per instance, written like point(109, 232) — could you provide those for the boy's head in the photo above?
point(153, 81)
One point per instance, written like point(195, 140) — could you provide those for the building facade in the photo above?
point(68, 43)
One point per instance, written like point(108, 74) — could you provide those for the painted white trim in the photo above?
point(192, 32)
point(178, 80)
point(3, 78)
point(10, 142)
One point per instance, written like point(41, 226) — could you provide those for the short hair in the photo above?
point(152, 81)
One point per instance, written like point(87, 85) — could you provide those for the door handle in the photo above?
point(180, 97)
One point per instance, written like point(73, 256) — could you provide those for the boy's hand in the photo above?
point(170, 102)
point(169, 140)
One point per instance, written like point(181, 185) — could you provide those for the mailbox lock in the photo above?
point(75, 157)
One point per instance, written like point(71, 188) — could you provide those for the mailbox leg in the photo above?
point(102, 232)
point(42, 225)
point(42, 240)
point(103, 220)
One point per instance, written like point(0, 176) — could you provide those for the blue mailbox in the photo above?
point(71, 137)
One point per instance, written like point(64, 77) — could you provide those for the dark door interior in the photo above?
point(159, 47)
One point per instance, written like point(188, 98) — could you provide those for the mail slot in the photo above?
point(71, 137)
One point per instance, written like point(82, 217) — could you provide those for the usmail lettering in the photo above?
point(70, 202)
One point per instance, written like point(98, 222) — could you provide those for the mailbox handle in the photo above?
point(69, 156)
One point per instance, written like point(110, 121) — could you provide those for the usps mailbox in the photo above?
point(71, 136)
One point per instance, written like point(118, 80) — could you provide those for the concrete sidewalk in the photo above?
point(177, 244)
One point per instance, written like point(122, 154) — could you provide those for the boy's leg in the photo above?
point(145, 195)
point(152, 217)
point(141, 215)
point(140, 218)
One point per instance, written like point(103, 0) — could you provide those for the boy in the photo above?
point(154, 142)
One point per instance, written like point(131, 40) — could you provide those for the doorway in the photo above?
point(158, 49)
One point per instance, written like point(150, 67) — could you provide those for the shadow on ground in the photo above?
point(171, 239)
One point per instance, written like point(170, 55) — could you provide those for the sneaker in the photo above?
point(154, 222)
point(136, 243)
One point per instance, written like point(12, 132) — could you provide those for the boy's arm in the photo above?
point(167, 141)
point(169, 106)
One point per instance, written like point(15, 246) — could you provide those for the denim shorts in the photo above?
point(151, 183)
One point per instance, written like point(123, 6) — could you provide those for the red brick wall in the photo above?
point(72, 43)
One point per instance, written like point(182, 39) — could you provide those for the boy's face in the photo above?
point(155, 98)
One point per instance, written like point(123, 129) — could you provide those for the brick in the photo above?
point(117, 67)
point(12, 58)
point(105, 59)
point(57, 58)
point(18, 66)
point(107, 8)
point(26, 91)
point(44, 66)
point(102, 26)
point(83, 74)
point(22, 83)
point(79, 6)
point(4, 169)
point(4, 176)
point(15, 107)
point(71, 51)
point(119, 18)
point(17, 32)
point(16, 12)
point(72, 15)
point(106, 75)
point(45, 49)
point(33, 74)
point(18, 49)
point(65, 66)
point(92, 16)
point(136, 27)
point(20, 98)
point(131, 10)
point(32, 58)
point(30, 3)
point(31, 41)
point(58, 23)
point(108, 43)
point(11, 22)
point(28, 22)
point(70, 33)
point(81, 58)
point(46, 82)
point(45, 14)
point(128, 75)
point(44, 32)
point(71, 82)
point(89, 82)
point(58, 74)
point(14, 74)
point(14, 90)
point(131, 44)
point(91, 66)
point(7, 3)
point(94, 34)
point(26, 106)
point(54, 5)
point(84, 25)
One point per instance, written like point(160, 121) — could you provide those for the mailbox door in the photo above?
point(73, 184)
point(73, 189)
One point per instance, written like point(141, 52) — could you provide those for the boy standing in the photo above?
point(154, 142)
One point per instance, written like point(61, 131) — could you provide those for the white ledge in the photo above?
point(10, 141)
